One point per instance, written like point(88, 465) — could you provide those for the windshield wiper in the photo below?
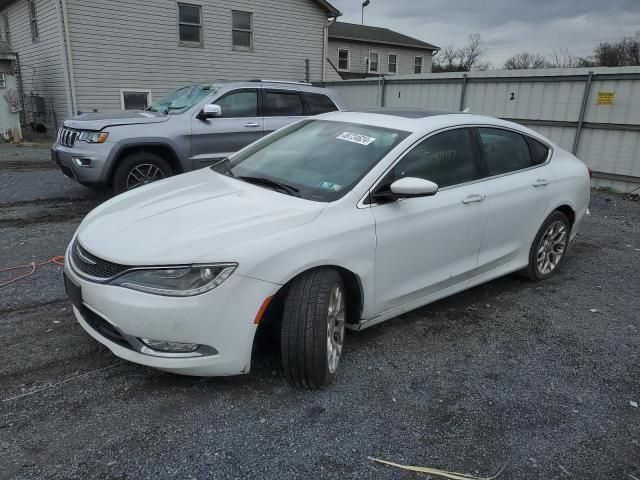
point(266, 182)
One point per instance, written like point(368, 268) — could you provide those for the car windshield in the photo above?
point(317, 160)
point(182, 99)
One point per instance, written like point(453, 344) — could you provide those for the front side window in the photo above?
point(242, 31)
point(33, 20)
point(283, 104)
point(446, 159)
point(343, 60)
point(190, 24)
point(318, 103)
point(393, 63)
point(417, 65)
point(504, 151)
point(239, 104)
point(374, 61)
point(182, 99)
point(135, 99)
point(322, 160)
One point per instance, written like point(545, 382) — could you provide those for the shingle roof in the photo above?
point(365, 33)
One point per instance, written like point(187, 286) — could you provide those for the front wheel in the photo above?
point(140, 169)
point(549, 247)
point(313, 328)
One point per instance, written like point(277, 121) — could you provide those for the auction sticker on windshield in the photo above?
point(356, 138)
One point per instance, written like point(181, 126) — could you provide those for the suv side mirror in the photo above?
point(407, 187)
point(210, 111)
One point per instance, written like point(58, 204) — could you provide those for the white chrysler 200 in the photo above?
point(340, 221)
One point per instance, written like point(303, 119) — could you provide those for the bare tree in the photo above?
point(525, 60)
point(452, 59)
point(471, 53)
point(623, 53)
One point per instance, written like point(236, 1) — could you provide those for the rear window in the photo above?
point(283, 104)
point(539, 151)
point(318, 103)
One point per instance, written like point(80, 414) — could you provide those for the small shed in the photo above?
point(10, 101)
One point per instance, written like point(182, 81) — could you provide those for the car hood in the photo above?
point(186, 219)
point(98, 121)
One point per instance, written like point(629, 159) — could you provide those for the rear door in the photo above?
point(427, 244)
point(517, 193)
point(241, 124)
point(281, 108)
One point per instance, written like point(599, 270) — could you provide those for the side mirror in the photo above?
point(210, 111)
point(407, 187)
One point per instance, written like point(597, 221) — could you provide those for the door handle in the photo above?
point(541, 182)
point(476, 197)
point(252, 125)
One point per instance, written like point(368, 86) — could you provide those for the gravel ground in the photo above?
point(534, 379)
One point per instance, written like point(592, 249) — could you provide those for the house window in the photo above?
point(7, 35)
point(190, 24)
point(133, 99)
point(393, 63)
point(344, 60)
point(242, 30)
point(33, 20)
point(417, 65)
point(374, 62)
point(3, 81)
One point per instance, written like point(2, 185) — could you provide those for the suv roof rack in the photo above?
point(279, 81)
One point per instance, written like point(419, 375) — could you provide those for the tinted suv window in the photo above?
point(504, 151)
point(539, 151)
point(283, 104)
point(239, 104)
point(446, 159)
point(318, 103)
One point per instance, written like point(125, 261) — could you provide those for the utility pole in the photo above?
point(364, 4)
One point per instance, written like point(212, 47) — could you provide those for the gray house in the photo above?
point(85, 56)
point(358, 51)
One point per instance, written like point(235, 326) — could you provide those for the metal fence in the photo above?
point(594, 113)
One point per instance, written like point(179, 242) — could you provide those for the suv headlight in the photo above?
point(176, 281)
point(93, 137)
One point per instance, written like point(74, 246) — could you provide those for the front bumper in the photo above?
point(221, 319)
point(94, 161)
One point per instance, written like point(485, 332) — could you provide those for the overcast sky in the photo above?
point(506, 26)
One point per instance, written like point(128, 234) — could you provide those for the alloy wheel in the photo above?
point(143, 174)
point(551, 247)
point(335, 327)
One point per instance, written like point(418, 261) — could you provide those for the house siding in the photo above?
point(359, 51)
point(42, 63)
point(134, 45)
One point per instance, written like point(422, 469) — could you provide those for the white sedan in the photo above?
point(340, 221)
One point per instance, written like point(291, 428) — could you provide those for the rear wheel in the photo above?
point(140, 169)
point(313, 328)
point(549, 247)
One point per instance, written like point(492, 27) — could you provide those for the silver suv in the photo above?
point(190, 128)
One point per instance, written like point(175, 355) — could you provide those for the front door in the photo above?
point(216, 138)
point(427, 244)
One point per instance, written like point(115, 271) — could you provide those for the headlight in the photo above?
point(93, 137)
point(177, 282)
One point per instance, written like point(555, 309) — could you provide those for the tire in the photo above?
point(147, 167)
point(549, 247)
point(313, 320)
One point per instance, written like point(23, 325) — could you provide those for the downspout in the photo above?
point(325, 46)
point(72, 103)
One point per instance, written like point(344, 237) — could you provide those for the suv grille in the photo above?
point(93, 266)
point(67, 137)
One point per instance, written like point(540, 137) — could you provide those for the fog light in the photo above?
point(167, 346)
point(82, 162)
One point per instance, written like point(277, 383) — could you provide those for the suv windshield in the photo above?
point(317, 160)
point(182, 99)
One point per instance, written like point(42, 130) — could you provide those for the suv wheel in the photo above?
point(140, 169)
point(313, 328)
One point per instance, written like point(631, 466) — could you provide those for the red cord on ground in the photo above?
point(33, 266)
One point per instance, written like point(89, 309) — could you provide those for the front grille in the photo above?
point(67, 137)
point(93, 266)
point(104, 328)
